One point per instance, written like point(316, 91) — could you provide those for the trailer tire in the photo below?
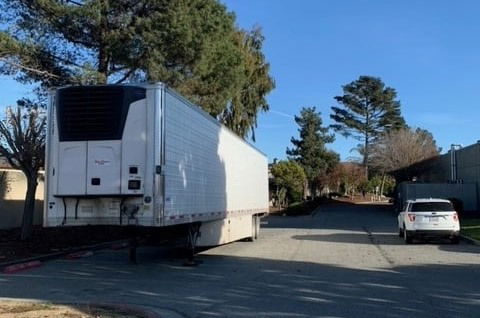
point(407, 237)
point(455, 240)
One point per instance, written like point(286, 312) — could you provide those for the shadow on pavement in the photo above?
point(387, 239)
point(350, 223)
point(352, 238)
point(226, 286)
point(341, 216)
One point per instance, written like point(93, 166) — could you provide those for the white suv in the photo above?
point(427, 218)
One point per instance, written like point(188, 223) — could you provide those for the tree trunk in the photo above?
point(365, 155)
point(382, 185)
point(367, 135)
point(306, 189)
point(29, 208)
point(313, 190)
point(102, 49)
point(103, 65)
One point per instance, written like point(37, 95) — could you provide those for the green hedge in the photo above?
point(303, 208)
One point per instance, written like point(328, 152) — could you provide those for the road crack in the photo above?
point(377, 245)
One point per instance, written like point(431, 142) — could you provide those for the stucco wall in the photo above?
point(13, 186)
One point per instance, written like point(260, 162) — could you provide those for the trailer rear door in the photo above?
point(103, 167)
point(72, 168)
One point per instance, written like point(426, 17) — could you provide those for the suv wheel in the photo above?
point(455, 240)
point(407, 237)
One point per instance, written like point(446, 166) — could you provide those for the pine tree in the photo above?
point(191, 45)
point(241, 114)
point(309, 150)
point(368, 109)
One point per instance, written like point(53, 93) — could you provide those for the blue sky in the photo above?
point(427, 50)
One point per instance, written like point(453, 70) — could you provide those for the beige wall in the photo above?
point(13, 186)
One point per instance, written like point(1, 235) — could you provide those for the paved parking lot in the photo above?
point(344, 261)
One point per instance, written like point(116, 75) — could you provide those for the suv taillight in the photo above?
point(455, 217)
point(411, 217)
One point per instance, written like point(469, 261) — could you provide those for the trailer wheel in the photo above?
point(406, 236)
point(455, 240)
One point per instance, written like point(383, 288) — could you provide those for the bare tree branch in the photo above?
point(22, 143)
point(29, 69)
point(402, 148)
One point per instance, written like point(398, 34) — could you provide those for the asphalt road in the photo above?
point(344, 261)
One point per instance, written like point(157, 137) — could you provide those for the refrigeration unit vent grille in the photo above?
point(94, 112)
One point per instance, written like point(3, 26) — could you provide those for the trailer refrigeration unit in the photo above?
point(143, 155)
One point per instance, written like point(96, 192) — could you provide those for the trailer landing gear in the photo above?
point(192, 238)
point(255, 229)
point(133, 245)
point(132, 252)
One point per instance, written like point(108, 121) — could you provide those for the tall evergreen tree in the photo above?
point(367, 109)
point(309, 150)
point(241, 113)
point(191, 45)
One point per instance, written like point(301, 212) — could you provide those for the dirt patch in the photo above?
point(51, 240)
point(34, 310)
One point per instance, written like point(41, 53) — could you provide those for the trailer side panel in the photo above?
point(210, 173)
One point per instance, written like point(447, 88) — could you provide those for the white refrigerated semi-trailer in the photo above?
point(143, 155)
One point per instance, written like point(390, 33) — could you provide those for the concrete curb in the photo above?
point(145, 311)
point(470, 240)
point(149, 312)
point(47, 257)
point(134, 309)
point(130, 309)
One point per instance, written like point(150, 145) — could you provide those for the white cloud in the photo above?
point(281, 114)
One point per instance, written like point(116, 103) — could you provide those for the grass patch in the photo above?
point(471, 228)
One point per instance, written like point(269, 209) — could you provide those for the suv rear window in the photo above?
point(431, 207)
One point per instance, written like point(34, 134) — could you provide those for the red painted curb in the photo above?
point(119, 246)
point(79, 255)
point(21, 267)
